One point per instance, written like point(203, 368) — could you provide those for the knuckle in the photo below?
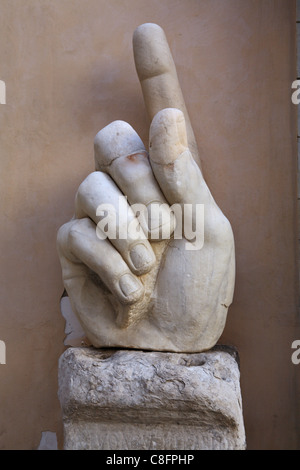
point(76, 229)
point(62, 236)
point(86, 188)
point(89, 181)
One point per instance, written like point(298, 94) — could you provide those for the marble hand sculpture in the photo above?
point(149, 289)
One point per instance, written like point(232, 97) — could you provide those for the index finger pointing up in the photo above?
point(157, 73)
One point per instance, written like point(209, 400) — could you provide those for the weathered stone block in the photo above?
point(126, 399)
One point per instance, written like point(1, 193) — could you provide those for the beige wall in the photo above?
point(69, 71)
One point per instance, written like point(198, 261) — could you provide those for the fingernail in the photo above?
point(129, 285)
point(142, 258)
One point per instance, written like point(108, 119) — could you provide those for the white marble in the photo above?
point(153, 288)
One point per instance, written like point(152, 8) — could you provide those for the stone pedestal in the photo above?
point(136, 400)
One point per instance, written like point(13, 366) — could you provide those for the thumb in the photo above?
point(178, 175)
